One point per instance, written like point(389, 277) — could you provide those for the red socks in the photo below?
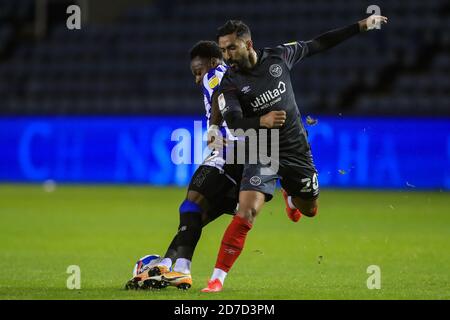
point(232, 243)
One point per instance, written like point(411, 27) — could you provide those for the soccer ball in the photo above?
point(145, 262)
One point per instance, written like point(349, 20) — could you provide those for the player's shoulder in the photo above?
point(212, 79)
point(271, 53)
point(229, 79)
point(280, 50)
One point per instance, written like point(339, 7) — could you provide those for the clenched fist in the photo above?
point(273, 119)
point(372, 22)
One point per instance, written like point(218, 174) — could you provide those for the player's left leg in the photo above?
point(214, 187)
point(160, 275)
point(308, 207)
point(193, 216)
point(302, 188)
point(192, 219)
point(180, 277)
point(211, 193)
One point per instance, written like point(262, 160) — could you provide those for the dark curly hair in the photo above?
point(232, 26)
point(206, 49)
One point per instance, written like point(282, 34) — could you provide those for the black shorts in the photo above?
point(220, 186)
point(299, 181)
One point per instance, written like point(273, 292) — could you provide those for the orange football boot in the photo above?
point(213, 286)
point(182, 281)
point(148, 279)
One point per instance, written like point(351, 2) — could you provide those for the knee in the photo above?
point(307, 208)
point(311, 211)
point(188, 206)
point(195, 197)
point(190, 216)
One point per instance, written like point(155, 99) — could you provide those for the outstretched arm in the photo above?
point(331, 38)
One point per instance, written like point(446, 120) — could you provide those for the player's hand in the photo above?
point(372, 22)
point(273, 119)
point(215, 138)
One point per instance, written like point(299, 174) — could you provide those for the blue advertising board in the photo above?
point(349, 152)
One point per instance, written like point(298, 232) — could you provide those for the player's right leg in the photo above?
point(255, 190)
point(233, 240)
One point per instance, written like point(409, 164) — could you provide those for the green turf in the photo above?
point(105, 229)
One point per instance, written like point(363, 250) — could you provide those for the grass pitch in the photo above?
point(104, 230)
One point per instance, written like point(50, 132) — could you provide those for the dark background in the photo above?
point(131, 57)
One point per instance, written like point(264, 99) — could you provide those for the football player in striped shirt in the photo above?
point(213, 188)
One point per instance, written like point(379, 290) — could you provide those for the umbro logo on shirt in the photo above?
point(246, 89)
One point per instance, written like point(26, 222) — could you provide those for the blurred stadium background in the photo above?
point(99, 105)
point(131, 59)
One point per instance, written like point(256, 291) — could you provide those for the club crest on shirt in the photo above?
point(255, 181)
point(275, 70)
point(213, 82)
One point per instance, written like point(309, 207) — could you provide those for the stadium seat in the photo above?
point(140, 63)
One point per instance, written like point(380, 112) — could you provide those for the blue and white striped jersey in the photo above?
point(211, 82)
